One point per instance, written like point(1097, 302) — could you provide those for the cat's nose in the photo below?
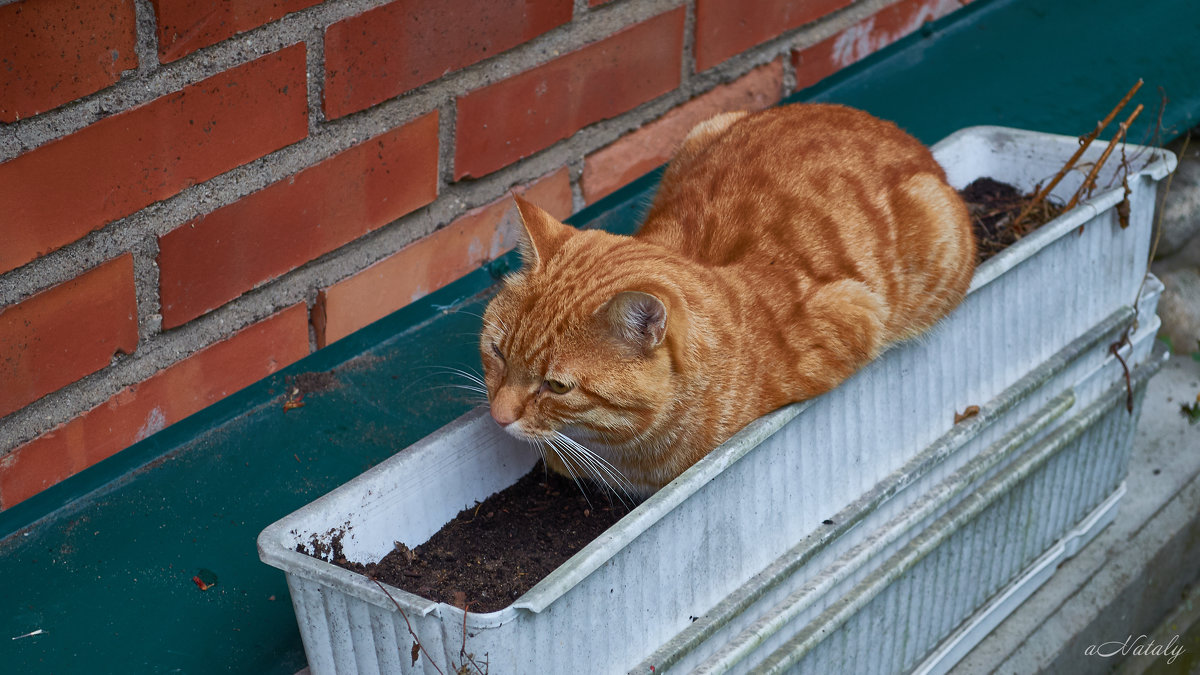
point(504, 414)
point(508, 404)
point(504, 417)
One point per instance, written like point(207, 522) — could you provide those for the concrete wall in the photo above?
point(196, 194)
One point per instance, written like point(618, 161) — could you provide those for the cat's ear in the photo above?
point(543, 235)
point(637, 318)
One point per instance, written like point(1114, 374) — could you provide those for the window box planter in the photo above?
point(784, 540)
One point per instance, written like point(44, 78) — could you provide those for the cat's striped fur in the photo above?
point(784, 250)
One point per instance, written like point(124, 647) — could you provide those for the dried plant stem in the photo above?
point(1187, 140)
point(1084, 143)
point(409, 625)
point(462, 651)
point(1158, 227)
point(1115, 350)
point(1091, 177)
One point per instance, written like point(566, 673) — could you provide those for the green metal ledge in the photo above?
point(103, 562)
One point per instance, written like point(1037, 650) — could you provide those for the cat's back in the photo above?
point(819, 193)
point(776, 169)
point(802, 141)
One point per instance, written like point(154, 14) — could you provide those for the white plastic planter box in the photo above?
point(738, 540)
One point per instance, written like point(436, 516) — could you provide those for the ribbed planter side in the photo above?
point(820, 568)
point(1073, 468)
point(1061, 490)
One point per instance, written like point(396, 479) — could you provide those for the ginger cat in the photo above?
point(784, 250)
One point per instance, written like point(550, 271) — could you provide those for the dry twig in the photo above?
point(1019, 223)
point(404, 616)
point(462, 650)
point(1187, 140)
point(1088, 182)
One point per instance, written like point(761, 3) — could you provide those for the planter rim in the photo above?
point(645, 515)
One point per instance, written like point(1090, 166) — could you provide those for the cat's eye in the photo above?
point(496, 351)
point(557, 387)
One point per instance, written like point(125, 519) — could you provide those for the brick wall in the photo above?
point(195, 194)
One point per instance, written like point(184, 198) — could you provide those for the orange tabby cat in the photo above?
point(784, 250)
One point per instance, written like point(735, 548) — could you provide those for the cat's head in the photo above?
point(577, 341)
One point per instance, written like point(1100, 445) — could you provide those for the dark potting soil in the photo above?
point(994, 206)
point(490, 554)
point(493, 552)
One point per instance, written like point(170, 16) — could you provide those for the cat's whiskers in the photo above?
point(603, 471)
point(466, 387)
point(474, 378)
point(449, 369)
point(472, 335)
point(476, 385)
point(566, 452)
point(470, 375)
point(619, 436)
point(540, 450)
point(502, 328)
point(563, 454)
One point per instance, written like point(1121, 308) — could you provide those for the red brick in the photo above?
point(426, 265)
point(139, 410)
point(386, 51)
point(66, 332)
point(728, 27)
point(58, 192)
point(650, 146)
point(55, 51)
point(209, 261)
point(815, 63)
point(514, 118)
point(187, 25)
point(866, 37)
